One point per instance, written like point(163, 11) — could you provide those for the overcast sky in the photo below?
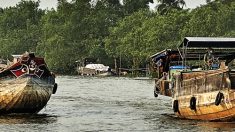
point(52, 3)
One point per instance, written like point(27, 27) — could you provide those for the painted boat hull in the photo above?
point(26, 86)
point(24, 95)
point(196, 95)
point(206, 108)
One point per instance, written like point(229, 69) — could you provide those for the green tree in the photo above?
point(166, 5)
point(140, 35)
point(126, 38)
point(19, 28)
point(132, 6)
point(214, 19)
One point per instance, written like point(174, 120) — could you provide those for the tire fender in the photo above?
point(176, 106)
point(218, 98)
point(54, 88)
point(193, 103)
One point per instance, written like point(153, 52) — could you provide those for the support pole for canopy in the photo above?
point(185, 54)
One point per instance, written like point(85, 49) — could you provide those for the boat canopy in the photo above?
point(204, 42)
point(194, 48)
point(175, 55)
point(160, 54)
point(172, 54)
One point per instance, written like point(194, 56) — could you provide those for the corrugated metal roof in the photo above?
point(159, 53)
point(210, 39)
point(203, 42)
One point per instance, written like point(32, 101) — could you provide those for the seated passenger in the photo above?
point(209, 58)
point(160, 65)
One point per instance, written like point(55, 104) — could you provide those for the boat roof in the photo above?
point(224, 48)
point(204, 42)
point(174, 55)
point(161, 53)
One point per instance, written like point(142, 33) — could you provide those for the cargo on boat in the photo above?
point(26, 85)
point(200, 78)
point(90, 67)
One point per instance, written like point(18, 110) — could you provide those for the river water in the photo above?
point(106, 104)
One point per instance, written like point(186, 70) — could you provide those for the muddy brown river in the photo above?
point(106, 104)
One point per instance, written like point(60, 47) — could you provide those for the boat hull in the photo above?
point(25, 94)
point(206, 95)
point(206, 108)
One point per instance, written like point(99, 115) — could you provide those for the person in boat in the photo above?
point(159, 62)
point(172, 81)
point(209, 58)
point(160, 67)
point(158, 82)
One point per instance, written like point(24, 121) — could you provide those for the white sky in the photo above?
point(53, 3)
point(193, 3)
point(189, 4)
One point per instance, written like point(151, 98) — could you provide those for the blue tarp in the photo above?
point(179, 67)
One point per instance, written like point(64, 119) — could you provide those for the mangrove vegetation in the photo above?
point(108, 30)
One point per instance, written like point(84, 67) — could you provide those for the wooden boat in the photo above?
point(197, 92)
point(26, 85)
point(98, 70)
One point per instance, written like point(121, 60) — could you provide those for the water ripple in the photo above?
point(107, 104)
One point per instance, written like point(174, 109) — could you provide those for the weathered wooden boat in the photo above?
point(26, 85)
point(199, 92)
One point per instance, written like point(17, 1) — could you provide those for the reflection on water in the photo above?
point(107, 104)
point(27, 119)
point(218, 126)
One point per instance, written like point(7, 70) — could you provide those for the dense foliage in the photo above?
point(107, 30)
